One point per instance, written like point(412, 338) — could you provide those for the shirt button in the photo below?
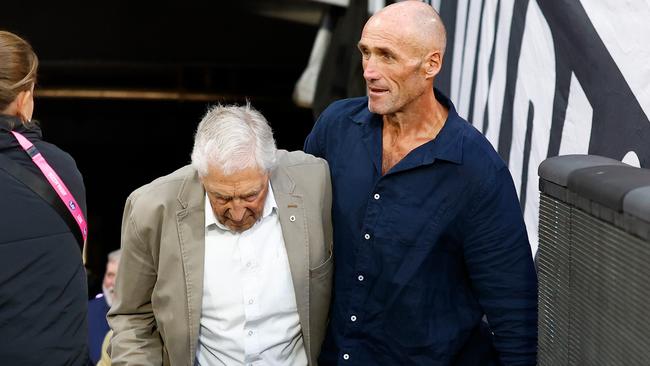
point(367, 236)
point(248, 264)
point(250, 332)
point(353, 318)
point(360, 278)
point(250, 301)
point(346, 356)
point(376, 196)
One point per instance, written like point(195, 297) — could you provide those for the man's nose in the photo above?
point(370, 69)
point(237, 212)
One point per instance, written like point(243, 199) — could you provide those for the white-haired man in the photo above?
point(99, 306)
point(226, 261)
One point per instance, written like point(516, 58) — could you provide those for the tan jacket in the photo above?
point(105, 359)
point(159, 287)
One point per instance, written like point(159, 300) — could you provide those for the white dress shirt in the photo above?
point(249, 314)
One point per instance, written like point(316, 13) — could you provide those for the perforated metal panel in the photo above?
point(553, 273)
point(594, 290)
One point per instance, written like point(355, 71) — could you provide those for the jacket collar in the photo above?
point(192, 194)
point(12, 123)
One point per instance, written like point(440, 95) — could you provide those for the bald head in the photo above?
point(401, 53)
point(415, 22)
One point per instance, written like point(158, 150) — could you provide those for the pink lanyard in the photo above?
point(56, 183)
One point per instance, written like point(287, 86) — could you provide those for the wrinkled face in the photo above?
point(109, 276)
point(237, 199)
point(391, 66)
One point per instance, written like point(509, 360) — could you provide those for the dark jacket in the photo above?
point(43, 297)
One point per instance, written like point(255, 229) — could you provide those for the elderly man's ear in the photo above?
point(433, 64)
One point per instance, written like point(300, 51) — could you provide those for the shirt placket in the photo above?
point(358, 295)
point(250, 269)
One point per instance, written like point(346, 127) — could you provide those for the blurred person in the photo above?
point(98, 307)
point(429, 234)
point(43, 293)
point(226, 261)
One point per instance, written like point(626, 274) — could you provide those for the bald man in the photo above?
point(432, 261)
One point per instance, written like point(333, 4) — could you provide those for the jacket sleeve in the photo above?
point(499, 262)
point(136, 339)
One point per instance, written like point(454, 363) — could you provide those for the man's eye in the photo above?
point(250, 197)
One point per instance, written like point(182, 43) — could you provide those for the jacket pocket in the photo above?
point(320, 294)
point(323, 268)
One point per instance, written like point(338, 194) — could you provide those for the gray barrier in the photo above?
point(593, 262)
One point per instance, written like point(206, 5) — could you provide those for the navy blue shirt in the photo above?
point(423, 252)
point(97, 326)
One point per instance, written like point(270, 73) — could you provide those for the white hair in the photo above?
point(114, 256)
point(233, 138)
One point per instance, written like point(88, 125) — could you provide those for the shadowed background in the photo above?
point(122, 85)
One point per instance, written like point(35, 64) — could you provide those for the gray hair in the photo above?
point(232, 138)
point(115, 256)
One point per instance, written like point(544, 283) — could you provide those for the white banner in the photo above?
point(547, 78)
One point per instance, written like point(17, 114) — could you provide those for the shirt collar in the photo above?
point(269, 206)
point(448, 145)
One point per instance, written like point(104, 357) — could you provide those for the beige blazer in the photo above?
point(159, 287)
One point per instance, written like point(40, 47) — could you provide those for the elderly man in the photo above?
point(429, 235)
point(226, 261)
point(98, 307)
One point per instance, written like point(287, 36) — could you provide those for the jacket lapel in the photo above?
point(191, 236)
point(294, 231)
